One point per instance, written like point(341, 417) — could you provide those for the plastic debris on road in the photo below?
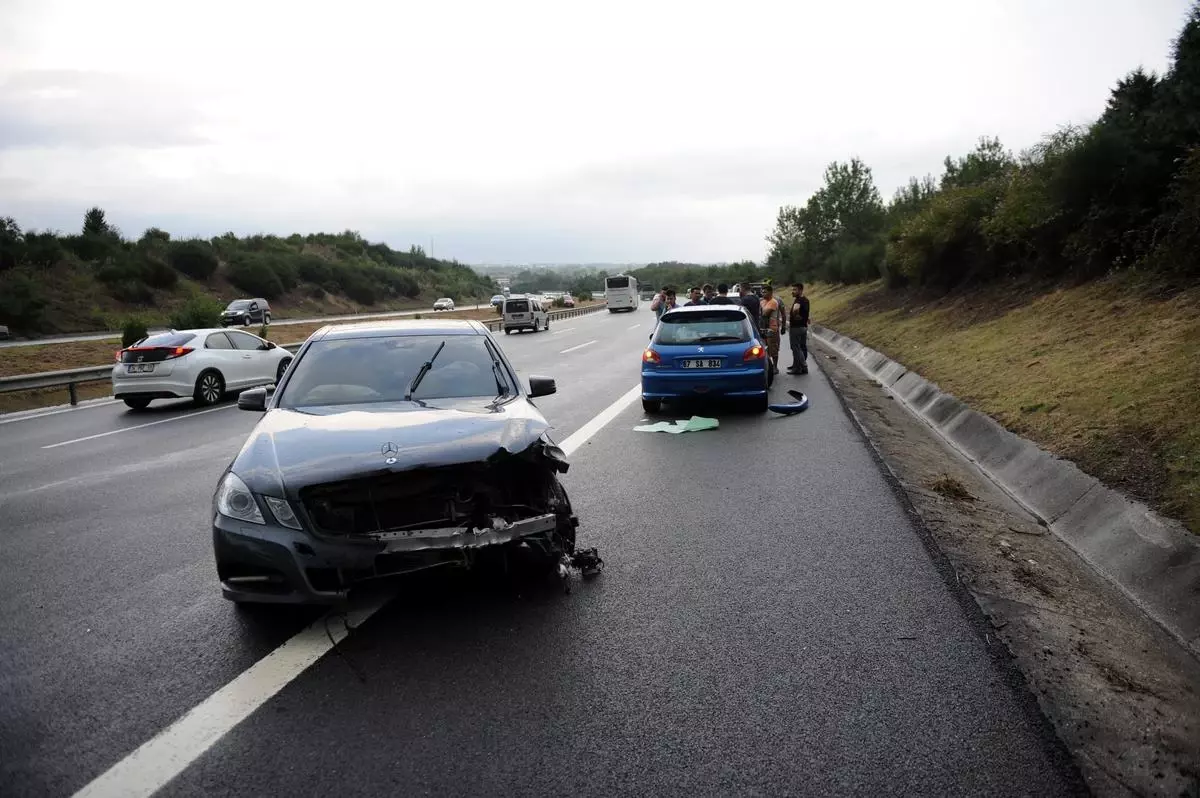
point(693, 424)
point(799, 406)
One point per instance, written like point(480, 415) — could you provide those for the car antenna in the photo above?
point(425, 367)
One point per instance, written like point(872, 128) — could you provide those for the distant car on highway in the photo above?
point(568, 301)
point(246, 312)
point(203, 364)
point(705, 351)
point(389, 447)
point(445, 303)
point(524, 313)
point(498, 301)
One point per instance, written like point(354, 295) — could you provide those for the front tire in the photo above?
point(137, 404)
point(246, 321)
point(283, 366)
point(210, 387)
point(651, 406)
point(267, 319)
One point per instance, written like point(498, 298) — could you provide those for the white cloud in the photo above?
point(527, 130)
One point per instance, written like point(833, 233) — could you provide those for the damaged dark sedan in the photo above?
point(388, 448)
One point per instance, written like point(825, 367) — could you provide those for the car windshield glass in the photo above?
point(371, 370)
point(516, 306)
point(239, 304)
point(694, 328)
point(166, 339)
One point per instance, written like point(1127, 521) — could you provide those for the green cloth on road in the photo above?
point(693, 424)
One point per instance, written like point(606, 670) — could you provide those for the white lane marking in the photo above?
point(580, 346)
point(561, 330)
point(31, 415)
point(634, 326)
point(171, 751)
point(167, 754)
point(585, 433)
point(139, 426)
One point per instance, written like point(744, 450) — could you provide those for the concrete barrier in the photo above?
point(1153, 560)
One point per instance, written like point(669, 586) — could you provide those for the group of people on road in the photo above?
point(766, 311)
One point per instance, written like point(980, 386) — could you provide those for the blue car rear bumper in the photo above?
point(679, 384)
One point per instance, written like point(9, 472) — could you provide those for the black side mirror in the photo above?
point(254, 399)
point(541, 386)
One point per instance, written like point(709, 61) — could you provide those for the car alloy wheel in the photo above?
point(283, 366)
point(209, 388)
point(245, 321)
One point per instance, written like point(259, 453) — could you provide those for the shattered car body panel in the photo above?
point(374, 490)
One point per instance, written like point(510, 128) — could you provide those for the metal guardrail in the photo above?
point(70, 378)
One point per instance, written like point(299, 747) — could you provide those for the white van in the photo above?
point(524, 313)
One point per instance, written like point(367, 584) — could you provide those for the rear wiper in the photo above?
point(706, 338)
point(425, 367)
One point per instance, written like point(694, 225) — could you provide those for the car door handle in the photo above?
point(247, 357)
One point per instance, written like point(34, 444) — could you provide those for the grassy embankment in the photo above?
point(53, 357)
point(1106, 374)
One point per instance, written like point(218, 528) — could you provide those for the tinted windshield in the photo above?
point(617, 282)
point(166, 339)
point(694, 328)
point(367, 370)
point(239, 304)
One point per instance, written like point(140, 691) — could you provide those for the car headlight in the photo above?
point(235, 500)
point(282, 510)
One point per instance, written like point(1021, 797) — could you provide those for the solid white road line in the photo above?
point(580, 346)
point(139, 426)
point(634, 326)
point(588, 430)
point(164, 756)
point(169, 753)
point(30, 415)
point(561, 330)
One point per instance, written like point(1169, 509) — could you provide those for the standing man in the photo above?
point(722, 296)
point(772, 324)
point(709, 294)
point(798, 337)
point(694, 297)
point(750, 301)
point(659, 299)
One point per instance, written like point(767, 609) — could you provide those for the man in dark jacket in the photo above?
point(798, 332)
point(750, 301)
point(722, 297)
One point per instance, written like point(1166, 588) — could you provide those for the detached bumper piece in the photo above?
point(792, 408)
point(458, 537)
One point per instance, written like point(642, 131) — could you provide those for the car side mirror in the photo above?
point(541, 386)
point(254, 399)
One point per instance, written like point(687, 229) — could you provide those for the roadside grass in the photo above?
point(1106, 374)
point(56, 357)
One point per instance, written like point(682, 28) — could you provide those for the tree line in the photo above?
point(1121, 193)
point(136, 273)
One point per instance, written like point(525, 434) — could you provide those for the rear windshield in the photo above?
point(166, 339)
point(239, 304)
point(516, 306)
point(371, 370)
point(617, 282)
point(707, 327)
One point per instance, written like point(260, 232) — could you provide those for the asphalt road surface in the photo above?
point(66, 339)
point(769, 622)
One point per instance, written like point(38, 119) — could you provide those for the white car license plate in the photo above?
point(139, 368)
point(702, 364)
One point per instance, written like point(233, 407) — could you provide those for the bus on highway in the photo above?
point(621, 292)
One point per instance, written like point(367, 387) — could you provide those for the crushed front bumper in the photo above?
point(276, 565)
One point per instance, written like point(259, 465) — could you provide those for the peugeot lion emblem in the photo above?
point(390, 450)
point(699, 349)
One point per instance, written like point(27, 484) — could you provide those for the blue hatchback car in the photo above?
point(702, 351)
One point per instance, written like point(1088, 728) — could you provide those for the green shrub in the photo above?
point(359, 288)
point(159, 275)
point(262, 331)
point(559, 302)
point(254, 275)
point(133, 329)
point(132, 292)
point(194, 257)
point(199, 311)
point(21, 303)
point(314, 269)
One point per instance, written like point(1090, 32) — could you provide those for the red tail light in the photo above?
point(650, 356)
point(178, 351)
point(755, 352)
point(117, 355)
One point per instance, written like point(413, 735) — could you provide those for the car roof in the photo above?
point(389, 328)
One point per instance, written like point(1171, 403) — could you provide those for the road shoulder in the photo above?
point(1123, 696)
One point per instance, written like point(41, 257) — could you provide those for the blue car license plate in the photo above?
point(711, 363)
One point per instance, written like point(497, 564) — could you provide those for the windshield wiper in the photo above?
point(707, 338)
point(425, 367)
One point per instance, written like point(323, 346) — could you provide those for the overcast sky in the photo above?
point(511, 131)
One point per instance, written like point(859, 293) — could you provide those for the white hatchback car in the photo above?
point(445, 303)
point(203, 364)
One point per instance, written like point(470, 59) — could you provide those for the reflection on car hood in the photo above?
point(292, 449)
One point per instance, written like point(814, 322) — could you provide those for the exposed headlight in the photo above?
point(282, 510)
point(235, 500)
